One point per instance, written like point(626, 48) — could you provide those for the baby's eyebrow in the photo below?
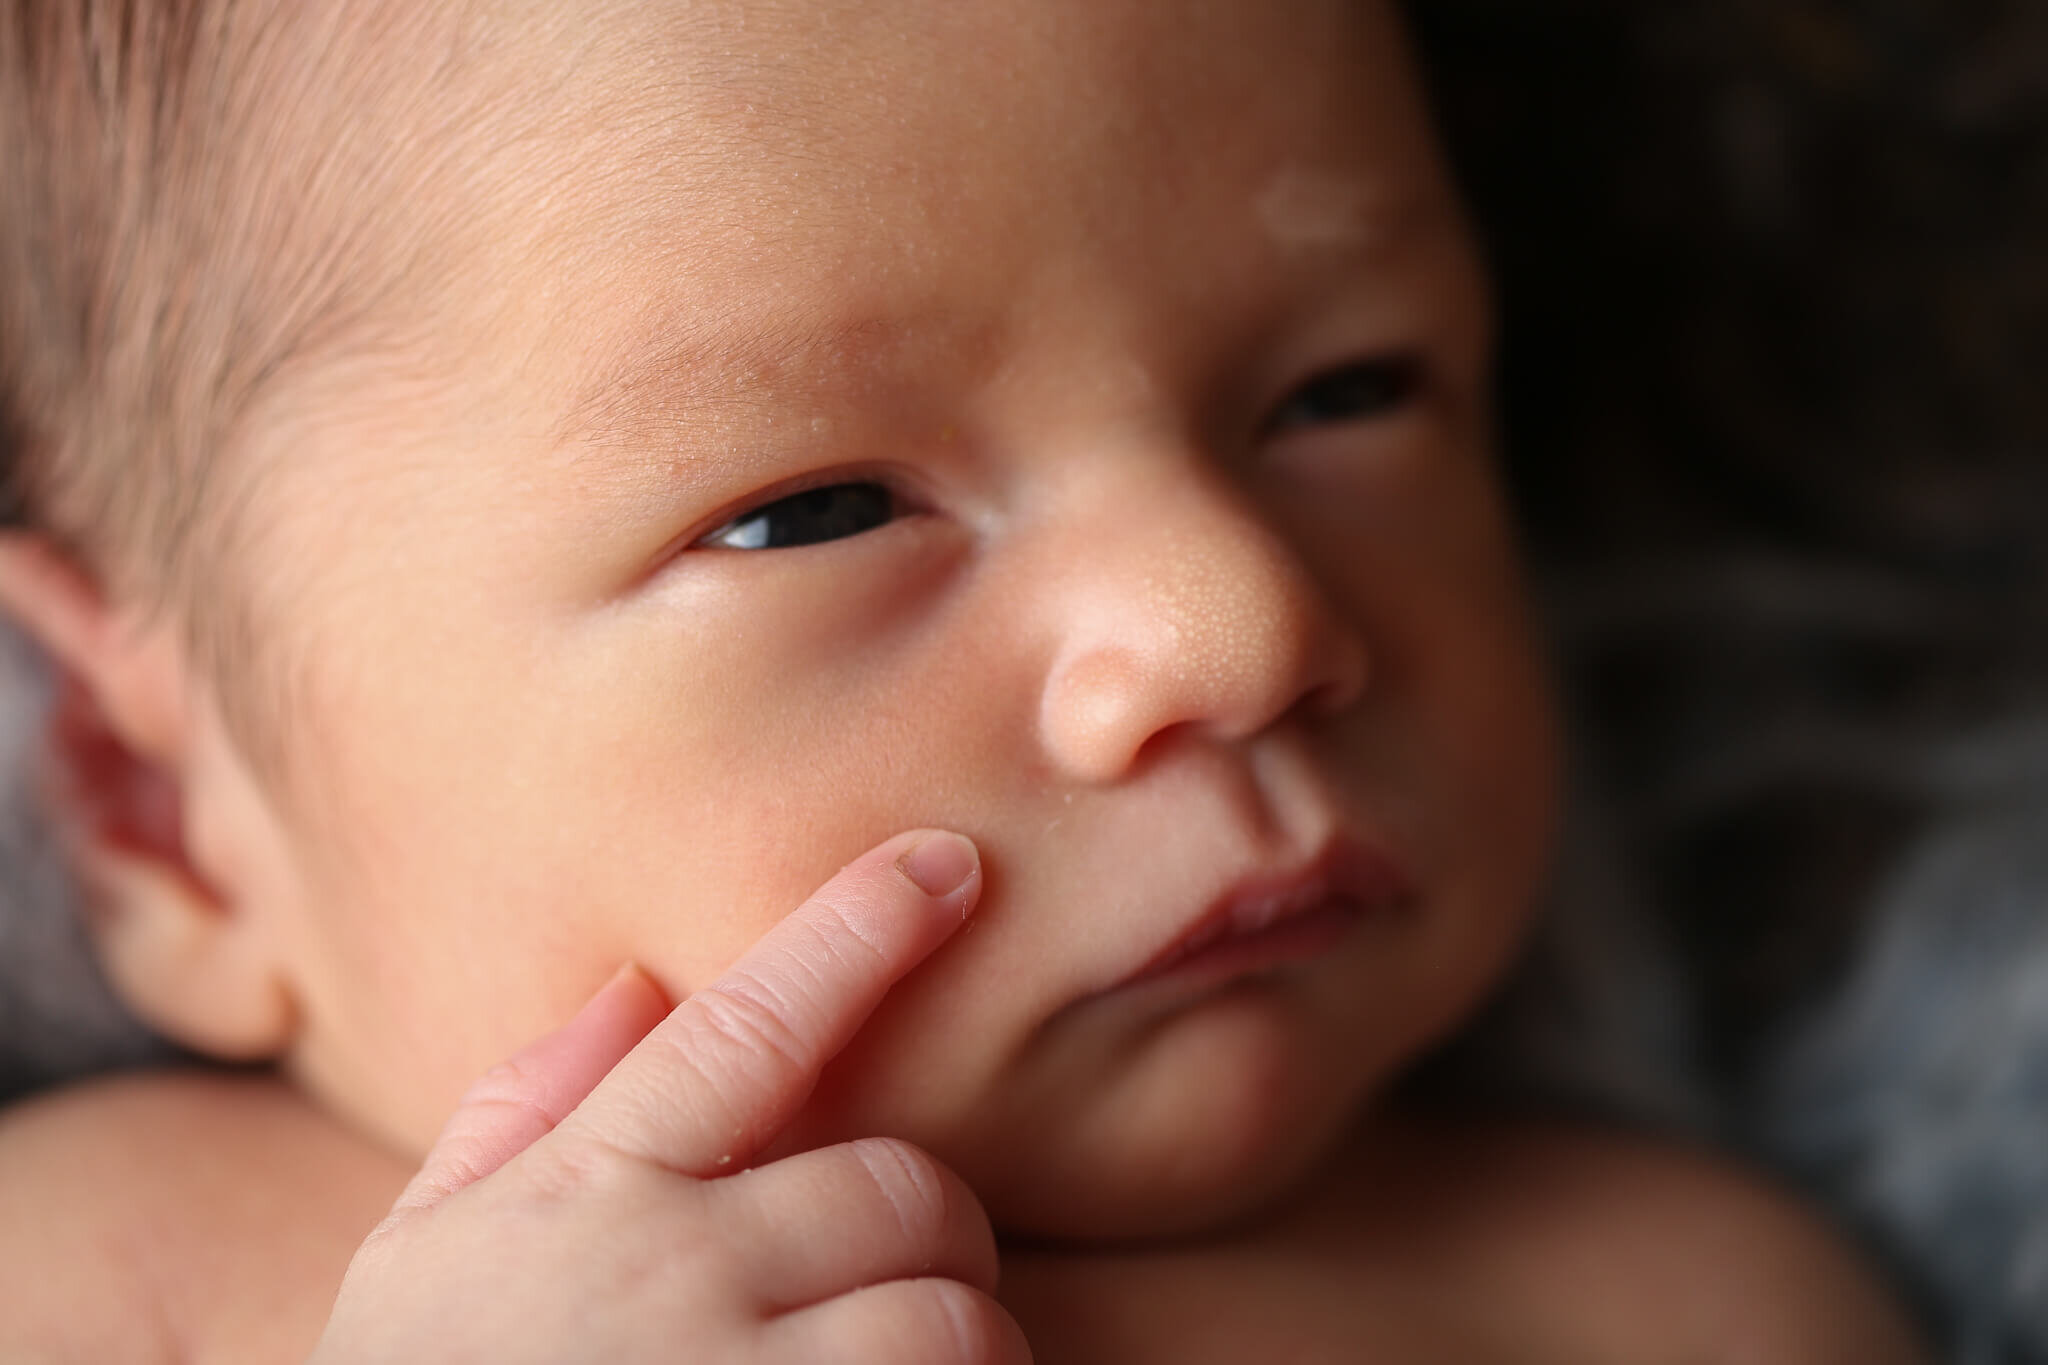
point(682, 367)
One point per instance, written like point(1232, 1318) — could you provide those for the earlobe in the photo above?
point(185, 965)
point(178, 949)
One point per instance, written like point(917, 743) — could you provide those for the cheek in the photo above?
point(738, 778)
point(1488, 696)
point(1460, 712)
point(1422, 559)
point(657, 783)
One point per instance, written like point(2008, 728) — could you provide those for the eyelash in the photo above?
point(1362, 391)
point(845, 509)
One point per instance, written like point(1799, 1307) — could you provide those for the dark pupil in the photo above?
point(1369, 389)
point(812, 516)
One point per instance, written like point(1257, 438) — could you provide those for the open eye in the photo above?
point(811, 517)
point(1357, 392)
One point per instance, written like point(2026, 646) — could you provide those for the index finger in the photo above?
point(718, 1079)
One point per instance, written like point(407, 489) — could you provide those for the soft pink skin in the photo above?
point(1136, 646)
point(597, 1195)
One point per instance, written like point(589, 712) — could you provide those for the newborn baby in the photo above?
point(517, 489)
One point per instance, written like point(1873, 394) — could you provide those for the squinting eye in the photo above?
point(1352, 393)
point(808, 518)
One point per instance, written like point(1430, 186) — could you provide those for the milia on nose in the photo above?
point(1219, 627)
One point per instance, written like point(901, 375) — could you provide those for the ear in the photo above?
point(180, 950)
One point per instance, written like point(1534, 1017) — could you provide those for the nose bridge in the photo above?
point(1184, 607)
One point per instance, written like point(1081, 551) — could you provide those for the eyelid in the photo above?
point(910, 500)
point(1413, 381)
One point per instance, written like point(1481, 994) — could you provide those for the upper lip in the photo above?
point(1344, 874)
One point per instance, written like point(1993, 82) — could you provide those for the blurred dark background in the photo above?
point(1775, 279)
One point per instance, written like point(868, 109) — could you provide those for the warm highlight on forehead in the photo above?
point(782, 107)
point(220, 193)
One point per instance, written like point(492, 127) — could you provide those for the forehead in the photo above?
point(776, 180)
point(800, 79)
point(628, 207)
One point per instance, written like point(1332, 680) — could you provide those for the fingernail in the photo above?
point(941, 864)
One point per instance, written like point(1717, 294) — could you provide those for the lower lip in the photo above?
point(1297, 938)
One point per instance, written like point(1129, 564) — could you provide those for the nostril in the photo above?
point(1158, 640)
point(1105, 708)
point(1091, 709)
point(1326, 700)
point(1346, 677)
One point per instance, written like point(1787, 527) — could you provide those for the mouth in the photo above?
point(1271, 920)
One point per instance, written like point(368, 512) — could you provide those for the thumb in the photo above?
point(520, 1100)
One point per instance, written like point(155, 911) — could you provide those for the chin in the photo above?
point(1220, 1118)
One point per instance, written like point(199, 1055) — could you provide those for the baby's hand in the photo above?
point(583, 1207)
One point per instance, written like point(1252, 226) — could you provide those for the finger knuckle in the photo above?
point(912, 1181)
point(848, 934)
point(738, 1028)
point(574, 1171)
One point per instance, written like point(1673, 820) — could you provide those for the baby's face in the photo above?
point(1062, 422)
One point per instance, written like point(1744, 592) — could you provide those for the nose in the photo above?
point(1181, 608)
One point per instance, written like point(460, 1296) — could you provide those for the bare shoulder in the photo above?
point(177, 1215)
point(1640, 1250)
